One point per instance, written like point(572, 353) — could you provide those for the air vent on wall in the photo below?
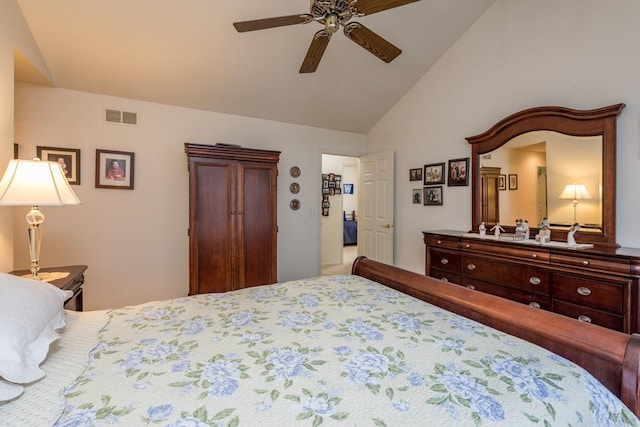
point(120, 117)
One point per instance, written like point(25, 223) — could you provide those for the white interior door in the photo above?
point(375, 207)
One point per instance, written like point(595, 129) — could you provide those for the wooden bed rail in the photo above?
point(610, 356)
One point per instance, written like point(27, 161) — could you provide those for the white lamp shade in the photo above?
point(35, 183)
point(575, 192)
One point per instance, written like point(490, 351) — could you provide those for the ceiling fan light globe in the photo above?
point(332, 24)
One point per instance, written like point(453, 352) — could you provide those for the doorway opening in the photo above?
point(339, 213)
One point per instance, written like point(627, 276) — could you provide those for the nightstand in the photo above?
point(72, 282)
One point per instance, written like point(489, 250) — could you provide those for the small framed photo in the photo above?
point(434, 173)
point(415, 174)
point(417, 196)
point(69, 159)
point(347, 188)
point(432, 196)
point(458, 172)
point(114, 169)
point(502, 182)
point(513, 181)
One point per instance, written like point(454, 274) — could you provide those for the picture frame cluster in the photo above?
point(510, 181)
point(113, 169)
point(434, 176)
point(331, 186)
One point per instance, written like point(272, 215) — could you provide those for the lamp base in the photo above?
point(34, 218)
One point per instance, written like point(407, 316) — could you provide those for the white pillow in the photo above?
point(30, 313)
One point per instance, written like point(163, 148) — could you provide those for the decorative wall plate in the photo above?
point(294, 188)
point(294, 171)
point(294, 204)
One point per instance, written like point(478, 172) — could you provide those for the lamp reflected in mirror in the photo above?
point(575, 192)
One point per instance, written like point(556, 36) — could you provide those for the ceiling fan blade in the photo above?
point(367, 7)
point(315, 51)
point(280, 21)
point(369, 40)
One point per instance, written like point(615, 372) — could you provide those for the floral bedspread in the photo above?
point(335, 350)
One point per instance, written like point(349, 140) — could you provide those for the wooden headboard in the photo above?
point(611, 356)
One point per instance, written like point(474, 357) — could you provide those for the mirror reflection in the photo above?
point(544, 174)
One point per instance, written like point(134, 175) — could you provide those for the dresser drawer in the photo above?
point(586, 292)
point(590, 315)
point(510, 275)
point(445, 276)
point(442, 242)
point(526, 253)
point(529, 298)
point(448, 261)
point(607, 265)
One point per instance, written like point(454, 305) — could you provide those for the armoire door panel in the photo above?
point(257, 224)
point(214, 232)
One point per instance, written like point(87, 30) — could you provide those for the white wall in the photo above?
point(14, 34)
point(135, 242)
point(519, 54)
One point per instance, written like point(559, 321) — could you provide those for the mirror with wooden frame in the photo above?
point(525, 166)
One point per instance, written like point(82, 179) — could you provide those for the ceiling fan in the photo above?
point(333, 14)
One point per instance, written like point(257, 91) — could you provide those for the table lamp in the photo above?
point(575, 192)
point(35, 183)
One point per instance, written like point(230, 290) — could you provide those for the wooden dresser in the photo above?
point(233, 228)
point(591, 285)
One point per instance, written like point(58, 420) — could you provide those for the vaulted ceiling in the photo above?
point(187, 53)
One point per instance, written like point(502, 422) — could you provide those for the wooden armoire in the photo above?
point(232, 217)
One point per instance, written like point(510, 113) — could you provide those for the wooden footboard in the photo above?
point(612, 357)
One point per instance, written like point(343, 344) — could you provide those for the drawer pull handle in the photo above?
point(585, 262)
point(471, 267)
point(584, 318)
point(439, 242)
point(467, 246)
point(535, 255)
point(471, 287)
point(444, 261)
point(534, 304)
point(584, 291)
point(444, 279)
point(535, 280)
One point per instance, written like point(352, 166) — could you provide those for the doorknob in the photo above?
point(386, 226)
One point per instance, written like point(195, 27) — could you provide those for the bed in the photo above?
point(361, 349)
point(349, 229)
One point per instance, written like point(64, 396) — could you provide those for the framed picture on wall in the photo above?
point(513, 181)
point(434, 173)
point(502, 182)
point(432, 196)
point(417, 196)
point(69, 159)
point(114, 169)
point(458, 169)
point(415, 174)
